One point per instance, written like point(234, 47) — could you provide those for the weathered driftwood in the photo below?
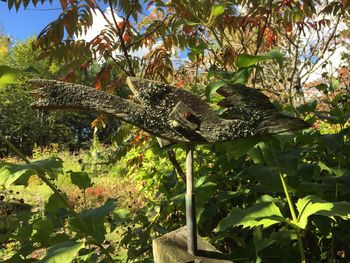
point(172, 248)
point(179, 116)
point(174, 114)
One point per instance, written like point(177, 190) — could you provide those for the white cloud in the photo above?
point(99, 24)
point(332, 58)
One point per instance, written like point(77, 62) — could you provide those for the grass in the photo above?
point(106, 184)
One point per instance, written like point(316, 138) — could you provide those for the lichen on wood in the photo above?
point(245, 112)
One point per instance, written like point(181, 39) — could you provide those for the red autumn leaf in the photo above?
point(127, 38)
point(187, 29)
point(168, 43)
point(91, 3)
point(270, 36)
point(85, 65)
point(137, 137)
point(64, 4)
point(120, 25)
point(98, 85)
point(288, 28)
point(97, 40)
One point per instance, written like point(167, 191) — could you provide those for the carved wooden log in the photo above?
point(174, 114)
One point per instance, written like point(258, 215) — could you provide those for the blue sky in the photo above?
point(26, 23)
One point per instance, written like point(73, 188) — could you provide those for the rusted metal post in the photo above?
point(190, 204)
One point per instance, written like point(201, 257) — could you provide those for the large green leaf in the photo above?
point(80, 179)
point(217, 10)
point(43, 229)
point(312, 205)
point(213, 87)
point(63, 252)
point(265, 214)
point(246, 60)
point(242, 75)
point(237, 149)
point(55, 203)
point(19, 173)
point(9, 75)
point(203, 194)
point(264, 179)
point(92, 221)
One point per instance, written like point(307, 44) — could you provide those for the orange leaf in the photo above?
point(64, 4)
point(98, 85)
point(120, 25)
point(137, 137)
point(127, 38)
point(187, 29)
point(99, 122)
point(270, 36)
point(91, 3)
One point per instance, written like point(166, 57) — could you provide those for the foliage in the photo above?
point(279, 199)
point(26, 127)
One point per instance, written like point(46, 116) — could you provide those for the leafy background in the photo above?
point(101, 193)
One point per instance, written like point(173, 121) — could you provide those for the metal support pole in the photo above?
point(190, 204)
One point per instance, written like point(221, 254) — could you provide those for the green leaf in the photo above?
point(94, 221)
point(63, 252)
point(213, 87)
point(192, 23)
point(263, 179)
point(265, 214)
point(55, 203)
point(8, 75)
point(19, 173)
point(242, 76)
point(217, 10)
point(237, 149)
point(43, 231)
point(80, 179)
point(245, 60)
point(312, 205)
point(203, 195)
point(307, 107)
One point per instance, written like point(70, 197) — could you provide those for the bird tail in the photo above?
point(277, 123)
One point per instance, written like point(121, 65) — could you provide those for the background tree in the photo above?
point(26, 127)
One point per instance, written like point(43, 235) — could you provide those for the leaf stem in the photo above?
point(41, 175)
point(291, 208)
point(290, 204)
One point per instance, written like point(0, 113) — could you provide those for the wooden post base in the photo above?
point(172, 248)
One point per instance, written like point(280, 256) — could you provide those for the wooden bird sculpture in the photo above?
point(177, 116)
point(174, 114)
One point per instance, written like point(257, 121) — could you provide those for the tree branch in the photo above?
point(176, 165)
